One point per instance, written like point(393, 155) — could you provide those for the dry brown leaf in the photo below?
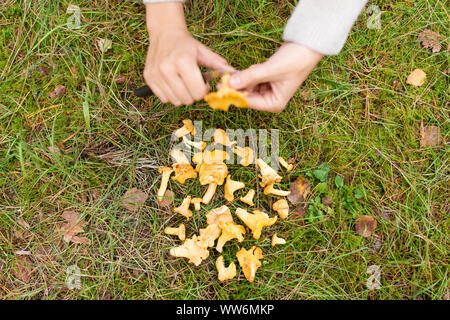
point(365, 225)
point(120, 79)
point(167, 200)
point(416, 78)
point(430, 136)
point(58, 92)
point(430, 39)
point(133, 199)
point(22, 269)
point(73, 227)
point(299, 190)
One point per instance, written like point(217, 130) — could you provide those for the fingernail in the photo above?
point(235, 80)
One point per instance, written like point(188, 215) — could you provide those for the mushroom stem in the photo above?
point(276, 240)
point(166, 172)
point(180, 231)
point(209, 193)
point(283, 162)
point(248, 199)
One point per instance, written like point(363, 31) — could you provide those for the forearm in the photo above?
point(164, 15)
point(323, 25)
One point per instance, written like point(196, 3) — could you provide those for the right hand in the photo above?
point(172, 66)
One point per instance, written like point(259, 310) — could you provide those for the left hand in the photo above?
point(270, 85)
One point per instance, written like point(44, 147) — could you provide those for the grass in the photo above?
point(83, 150)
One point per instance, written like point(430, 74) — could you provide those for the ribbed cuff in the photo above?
point(323, 25)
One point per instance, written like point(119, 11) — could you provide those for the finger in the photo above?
point(171, 97)
point(159, 93)
point(208, 58)
point(251, 77)
point(267, 101)
point(176, 85)
point(193, 80)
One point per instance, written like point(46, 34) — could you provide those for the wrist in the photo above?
point(164, 16)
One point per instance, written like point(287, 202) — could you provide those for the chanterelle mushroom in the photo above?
point(248, 199)
point(282, 207)
point(180, 231)
point(213, 174)
point(246, 154)
point(188, 127)
point(220, 137)
point(225, 273)
point(211, 157)
point(276, 240)
point(231, 186)
point(166, 172)
point(178, 156)
point(223, 98)
point(196, 202)
point(209, 234)
point(283, 162)
point(219, 215)
point(249, 261)
point(196, 144)
point(269, 189)
point(268, 174)
point(193, 249)
point(183, 209)
point(183, 171)
point(230, 230)
point(255, 221)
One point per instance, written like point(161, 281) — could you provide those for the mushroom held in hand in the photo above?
point(184, 208)
point(188, 127)
point(225, 273)
point(223, 98)
point(248, 199)
point(268, 174)
point(282, 207)
point(249, 261)
point(230, 231)
point(246, 154)
point(219, 215)
point(231, 186)
point(255, 221)
point(180, 231)
point(166, 172)
point(193, 249)
point(276, 240)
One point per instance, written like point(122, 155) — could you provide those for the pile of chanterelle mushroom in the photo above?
point(212, 171)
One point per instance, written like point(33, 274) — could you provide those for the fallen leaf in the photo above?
point(299, 190)
point(416, 78)
point(104, 44)
point(167, 200)
point(133, 199)
point(430, 136)
point(365, 225)
point(22, 269)
point(430, 39)
point(73, 226)
point(120, 79)
point(58, 92)
point(326, 201)
point(43, 70)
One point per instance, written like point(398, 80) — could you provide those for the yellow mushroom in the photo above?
point(212, 174)
point(248, 199)
point(223, 98)
point(256, 221)
point(220, 137)
point(269, 189)
point(282, 207)
point(193, 249)
point(249, 261)
point(283, 162)
point(211, 157)
point(166, 172)
point(183, 209)
point(188, 127)
point(183, 171)
point(180, 231)
point(246, 154)
point(196, 144)
point(268, 174)
point(196, 202)
point(219, 215)
point(225, 273)
point(209, 234)
point(231, 186)
point(178, 156)
point(230, 231)
point(276, 240)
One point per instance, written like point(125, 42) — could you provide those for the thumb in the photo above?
point(208, 58)
point(248, 78)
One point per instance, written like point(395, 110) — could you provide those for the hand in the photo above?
point(272, 84)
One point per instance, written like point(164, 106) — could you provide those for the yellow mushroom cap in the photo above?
point(256, 221)
point(230, 231)
point(276, 240)
point(219, 215)
point(225, 273)
point(183, 171)
point(231, 186)
point(282, 207)
point(249, 261)
point(226, 96)
point(193, 249)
